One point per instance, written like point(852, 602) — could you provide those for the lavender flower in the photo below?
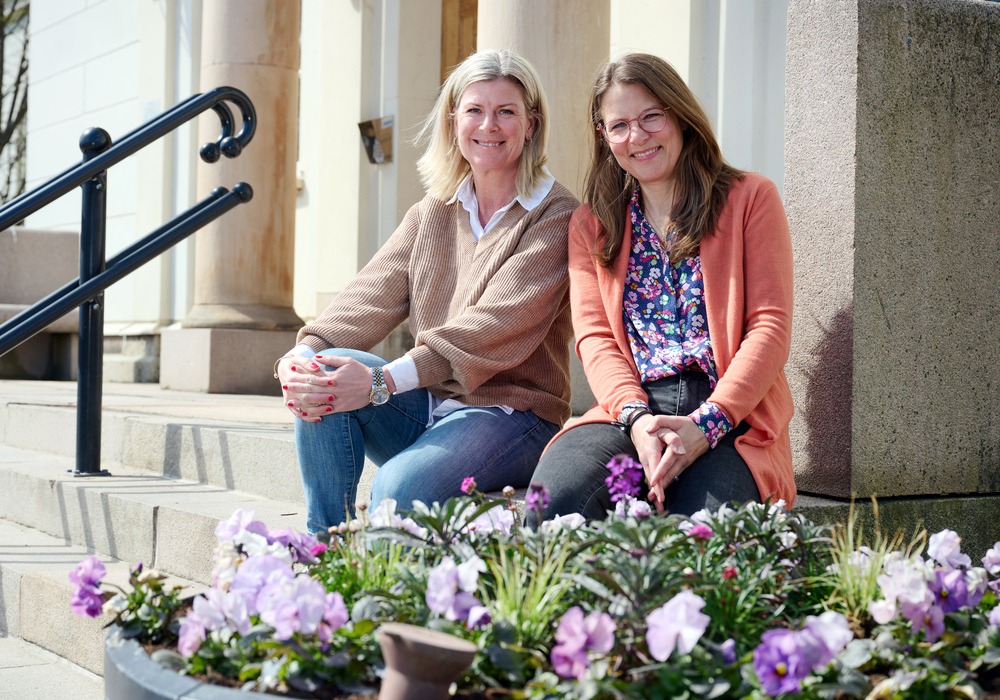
point(995, 616)
point(678, 624)
point(300, 545)
point(991, 560)
point(537, 498)
point(570, 521)
point(949, 589)
point(385, 516)
point(334, 617)
point(780, 663)
point(945, 548)
point(728, 650)
point(89, 572)
point(86, 577)
point(450, 590)
point(576, 636)
point(902, 580)
point(625, 478)
point(497, 518)
point(926, 618)
point(824, 637)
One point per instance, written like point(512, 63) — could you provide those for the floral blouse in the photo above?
point(664, 310)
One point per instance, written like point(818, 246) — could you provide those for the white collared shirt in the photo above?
point(466, 195)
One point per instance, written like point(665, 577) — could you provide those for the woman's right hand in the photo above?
point(305, 387)
point(651, 445)
point(650, 449)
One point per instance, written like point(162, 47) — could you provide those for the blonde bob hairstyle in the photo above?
point(703, 176)
point(442, 167)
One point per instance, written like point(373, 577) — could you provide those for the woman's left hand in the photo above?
point(351, 382)
point(674, 461)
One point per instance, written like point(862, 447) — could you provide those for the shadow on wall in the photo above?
point(827, 409)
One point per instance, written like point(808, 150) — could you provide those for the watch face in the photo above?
point(380, 396)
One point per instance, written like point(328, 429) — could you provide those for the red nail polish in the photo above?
point(304, 413)
point(329, 398)
point(314, 365)
point(285, 387)
point(290, 404)
point(329, 382)
point(294, 368)
point(329, 409)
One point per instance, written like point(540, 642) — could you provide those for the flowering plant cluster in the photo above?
point(750, 602)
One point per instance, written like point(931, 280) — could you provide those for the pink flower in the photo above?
point(700, 532)
point(577, 635)
point(678, 624)
point(468, 485)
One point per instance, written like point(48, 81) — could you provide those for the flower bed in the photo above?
point(751, 602)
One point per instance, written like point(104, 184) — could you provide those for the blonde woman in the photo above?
point(681, 286)
point(478, 267)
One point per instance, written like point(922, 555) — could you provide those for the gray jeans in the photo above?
point(574, 466)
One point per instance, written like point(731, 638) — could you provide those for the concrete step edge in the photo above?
point(35, 607)
point(249, 457)
point(135, 517)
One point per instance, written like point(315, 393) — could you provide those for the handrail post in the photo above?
point(90, 363)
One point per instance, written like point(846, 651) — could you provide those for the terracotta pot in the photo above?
point(420, 664)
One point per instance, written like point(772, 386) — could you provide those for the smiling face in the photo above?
point(491, 124)
point(649, 158)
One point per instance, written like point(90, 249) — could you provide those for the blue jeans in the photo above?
point(415, 462)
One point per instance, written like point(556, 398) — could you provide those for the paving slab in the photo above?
point(28, 672)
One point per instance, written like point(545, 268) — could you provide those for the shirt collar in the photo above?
point(467, 195)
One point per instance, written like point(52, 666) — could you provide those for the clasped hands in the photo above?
point(312, 391)
point(667, 445)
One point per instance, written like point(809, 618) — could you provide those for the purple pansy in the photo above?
point(780, 663)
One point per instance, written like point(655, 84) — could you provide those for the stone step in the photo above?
point(132, 515)
point(241, 443)
point(36, 593)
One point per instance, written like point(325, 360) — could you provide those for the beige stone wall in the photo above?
point(893, 140)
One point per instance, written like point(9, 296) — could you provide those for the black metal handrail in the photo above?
point(96, 274)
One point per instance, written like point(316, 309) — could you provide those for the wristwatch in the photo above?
point(629, 414)
point(380, 392)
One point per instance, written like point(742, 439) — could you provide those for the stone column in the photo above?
point(892, 145)
point(242, 316)
point(566, 41)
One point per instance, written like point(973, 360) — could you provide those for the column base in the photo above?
point(222, 360)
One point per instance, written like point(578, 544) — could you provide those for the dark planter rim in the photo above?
point(130, 674)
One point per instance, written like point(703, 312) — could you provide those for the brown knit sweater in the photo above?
point(490, 319)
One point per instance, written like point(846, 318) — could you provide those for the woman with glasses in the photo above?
point(681, 289)
point(478, 268)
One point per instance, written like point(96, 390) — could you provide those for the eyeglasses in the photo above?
point(619, 130)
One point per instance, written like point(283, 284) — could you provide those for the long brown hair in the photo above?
point(703, 176)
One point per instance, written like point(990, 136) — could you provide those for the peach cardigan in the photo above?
point(747, 269)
